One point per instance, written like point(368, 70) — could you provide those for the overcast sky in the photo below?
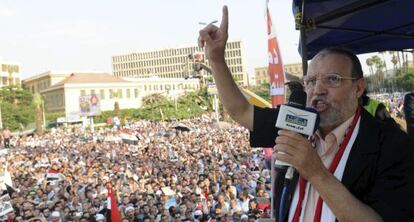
point(83, 35)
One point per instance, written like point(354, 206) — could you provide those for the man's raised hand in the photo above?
point(214, 38)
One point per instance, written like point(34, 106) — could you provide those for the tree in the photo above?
point(37, 103)
point(117, 111)
point(399, 60)
point(152, 99)
point(370, 64)
point(394, 61)
point(383, 59)
point(10, 70)
point(379, 64)
point(405, 81)
point(189, 105)
point(17, 107)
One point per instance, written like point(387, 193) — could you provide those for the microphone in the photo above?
point(296, 117)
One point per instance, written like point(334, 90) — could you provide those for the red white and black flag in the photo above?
point(275, 69)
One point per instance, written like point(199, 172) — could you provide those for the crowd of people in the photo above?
point(195, 172)
point(393, 102)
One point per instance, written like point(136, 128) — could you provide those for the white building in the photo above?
point(169, 87)
point(9, 73)
point(177, 62)
point(64, 96)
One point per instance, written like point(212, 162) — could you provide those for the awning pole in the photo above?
point(304, 51)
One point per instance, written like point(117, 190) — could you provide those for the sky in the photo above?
point(83, 35)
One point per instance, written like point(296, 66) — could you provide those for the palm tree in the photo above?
point(117, 110)
point(152, 99)
point(383, 59)
point(10, 70)
point(37, 103)
point(394, 61)
point(399, 60)
point(370, 64)
point(378, 63)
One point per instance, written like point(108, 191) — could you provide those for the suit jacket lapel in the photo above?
point(365, 144)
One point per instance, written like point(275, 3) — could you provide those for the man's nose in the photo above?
point(319, 88)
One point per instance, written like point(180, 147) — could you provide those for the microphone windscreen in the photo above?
point(297, 98)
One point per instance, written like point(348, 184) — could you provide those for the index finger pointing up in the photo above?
point(225, 19)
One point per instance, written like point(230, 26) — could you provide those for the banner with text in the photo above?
point(275, 69)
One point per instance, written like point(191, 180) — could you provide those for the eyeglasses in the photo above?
point(330, 80)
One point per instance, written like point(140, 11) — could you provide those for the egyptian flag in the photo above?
point(113, 207)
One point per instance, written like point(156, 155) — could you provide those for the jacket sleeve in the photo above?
point(264, 131)
point(392, 195)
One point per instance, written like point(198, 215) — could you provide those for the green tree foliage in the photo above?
point(187, 106)
point(262, 90)
point(403, 81)
point(370, 64)
point(406, 81)
point(37, 104)
point(52, 116)
point(16, 107)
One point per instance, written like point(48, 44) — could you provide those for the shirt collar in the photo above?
point(338, 132)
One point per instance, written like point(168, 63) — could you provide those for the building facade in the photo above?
point(65, 95)
point(293, 72)
point(42, 81)
point(177, 62)
point(9, 74)
point(294, 69)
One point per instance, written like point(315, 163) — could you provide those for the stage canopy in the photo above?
point(362, 26)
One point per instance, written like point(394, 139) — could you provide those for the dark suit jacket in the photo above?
point(379, 171)
point(409, 113)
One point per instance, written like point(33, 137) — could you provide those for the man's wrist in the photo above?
point(320, 177)
point(219, 60)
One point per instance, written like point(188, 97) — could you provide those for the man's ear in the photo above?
point(361, 85)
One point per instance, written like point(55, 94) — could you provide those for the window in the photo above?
point(82, 92)
point(136, 93)
point(119, 93)
point(92, 92)
point(111, 94)
point(102, 94)
point(128, 93)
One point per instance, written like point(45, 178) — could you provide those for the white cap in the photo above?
point(198, 213)
point(129, 209)
point(244, 216)
point(100, 217)
point(55, 214)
